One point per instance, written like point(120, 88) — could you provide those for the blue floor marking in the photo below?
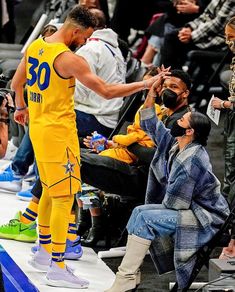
point(14, 278)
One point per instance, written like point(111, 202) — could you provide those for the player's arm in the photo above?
point(17, 85)
point(68, 64)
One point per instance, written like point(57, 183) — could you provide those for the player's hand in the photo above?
point(22, 116)
point(158, 79)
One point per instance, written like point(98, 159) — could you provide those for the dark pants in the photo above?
point(229, 155)
point(229, 158)
point(87, 124)
point(174, 53)
point(24, 156)
point(134, 14)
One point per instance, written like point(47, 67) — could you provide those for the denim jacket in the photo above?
point(185, 181)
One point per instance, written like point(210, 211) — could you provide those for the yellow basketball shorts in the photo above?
point(61, 178)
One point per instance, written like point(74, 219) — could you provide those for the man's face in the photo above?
point(178, 86)
point(79, 37)
point(175, 84)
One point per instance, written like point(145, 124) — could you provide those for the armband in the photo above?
point(21, 108)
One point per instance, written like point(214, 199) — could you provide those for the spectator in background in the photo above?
point(229, 136)
point(7, 23)
point(101, 51)
point(98, 4)
point(204, 32)
point(135, 14)
point(177, 15)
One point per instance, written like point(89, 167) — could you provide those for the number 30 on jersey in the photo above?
point(39, 73)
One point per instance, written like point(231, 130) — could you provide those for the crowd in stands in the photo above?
point(158, 158)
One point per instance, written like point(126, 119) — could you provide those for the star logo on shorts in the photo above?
point(41, 51)
point(69, 167)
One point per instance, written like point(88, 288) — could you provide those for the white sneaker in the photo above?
point(58, 277)
point(41, 260)
point(11, 151)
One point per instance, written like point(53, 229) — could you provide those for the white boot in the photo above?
point(128, 273)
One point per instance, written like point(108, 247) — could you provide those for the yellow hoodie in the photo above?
point(134, 135)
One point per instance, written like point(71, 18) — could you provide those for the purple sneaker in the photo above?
point(73, 249)
point(58, 277)
point(41, 260)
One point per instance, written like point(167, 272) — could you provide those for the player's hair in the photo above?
point(80, 15)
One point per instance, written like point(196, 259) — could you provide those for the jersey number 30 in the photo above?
point(42, 76)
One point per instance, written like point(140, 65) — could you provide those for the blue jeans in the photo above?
point(87, 124)
point(24, 156)
point(151, 221)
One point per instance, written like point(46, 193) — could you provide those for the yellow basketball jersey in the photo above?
point(52, 122)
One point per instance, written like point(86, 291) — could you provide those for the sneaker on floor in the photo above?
point(58, 277)
point(10, 181)
point(41, 260)
point(11, 151)
point(19, 231)
point(25, 195)
point(31, 174)
point(73, 249)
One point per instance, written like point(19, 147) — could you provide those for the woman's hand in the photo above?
point(216, 103)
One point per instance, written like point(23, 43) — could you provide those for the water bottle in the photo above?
point(98, 142)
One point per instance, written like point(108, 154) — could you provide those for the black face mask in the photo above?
point(169, 98)
point(177, 131)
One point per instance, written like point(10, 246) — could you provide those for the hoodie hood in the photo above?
point(107, 35)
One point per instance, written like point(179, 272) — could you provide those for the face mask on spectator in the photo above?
point(178, 131)
point(169, 98)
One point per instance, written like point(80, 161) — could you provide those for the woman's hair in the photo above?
point(201, 126)
point(231, 22)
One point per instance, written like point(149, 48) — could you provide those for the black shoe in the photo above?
point(84, 221)
point(95, 234)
